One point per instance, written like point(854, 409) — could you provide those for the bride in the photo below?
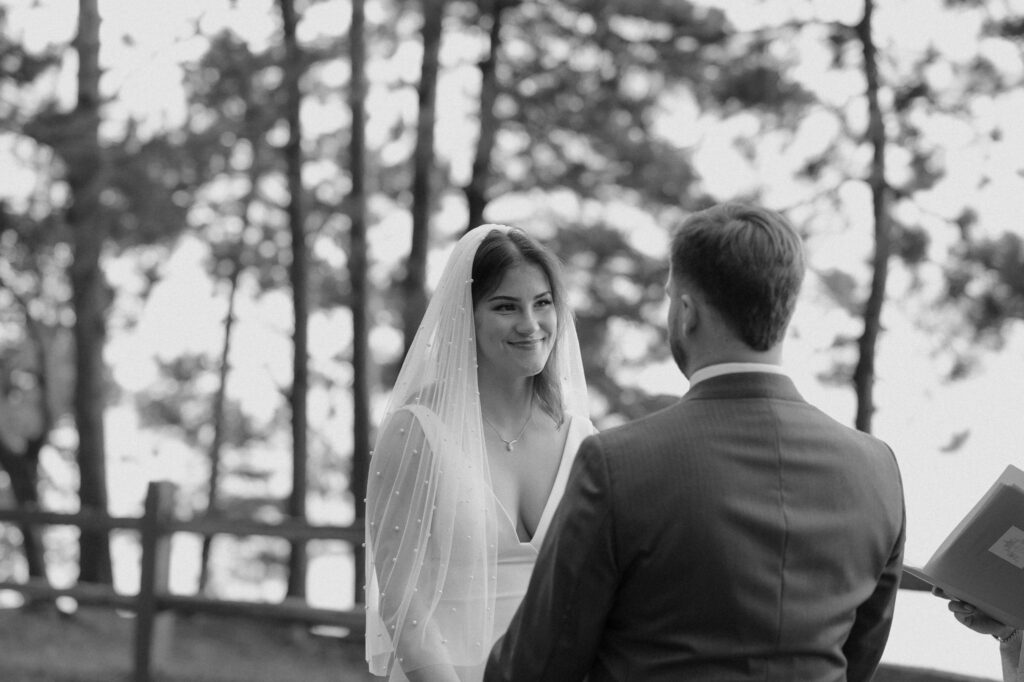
point(471, 459)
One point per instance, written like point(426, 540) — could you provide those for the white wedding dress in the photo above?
point(516, 558)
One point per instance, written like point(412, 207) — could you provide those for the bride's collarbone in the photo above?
point(523, 478)
point(539, 446)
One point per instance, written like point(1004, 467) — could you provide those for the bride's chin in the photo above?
point(538, 367)
point(529, 366)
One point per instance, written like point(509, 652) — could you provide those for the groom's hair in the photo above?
point(748, 262)
point(498, 253)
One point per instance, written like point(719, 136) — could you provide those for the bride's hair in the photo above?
point(498, 253)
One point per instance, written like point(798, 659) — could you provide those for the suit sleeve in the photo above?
point(555, 633)
point(1012, 654)
point(864, 646)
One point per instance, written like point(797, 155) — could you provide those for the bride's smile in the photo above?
point(528, 344)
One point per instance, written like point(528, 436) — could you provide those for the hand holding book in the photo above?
point(969, 615)
point(981, 562)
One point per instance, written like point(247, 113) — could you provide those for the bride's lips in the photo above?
point(527, 344)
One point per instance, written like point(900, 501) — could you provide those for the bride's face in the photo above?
point(516, 324)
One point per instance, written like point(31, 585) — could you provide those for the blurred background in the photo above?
point(221, 220)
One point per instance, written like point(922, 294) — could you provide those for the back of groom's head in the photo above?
point(748, 262)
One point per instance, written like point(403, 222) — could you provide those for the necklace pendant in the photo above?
point(510, 443)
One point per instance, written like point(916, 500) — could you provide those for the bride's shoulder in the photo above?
point(579, 423)
point(409, 418)
point(416, 420)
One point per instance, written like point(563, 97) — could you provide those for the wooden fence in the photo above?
point(154, 605)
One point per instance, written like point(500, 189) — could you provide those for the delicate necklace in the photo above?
point(510, 443)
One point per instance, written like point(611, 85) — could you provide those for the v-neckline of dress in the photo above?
point(557, 488)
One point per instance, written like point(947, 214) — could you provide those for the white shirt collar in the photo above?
point(718, 370)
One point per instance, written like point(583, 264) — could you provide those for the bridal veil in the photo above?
point(431, 537)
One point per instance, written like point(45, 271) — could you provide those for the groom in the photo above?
point(740, 534)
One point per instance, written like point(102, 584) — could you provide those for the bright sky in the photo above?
point(145, 41)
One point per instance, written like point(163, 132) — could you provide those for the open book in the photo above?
point(982, 561)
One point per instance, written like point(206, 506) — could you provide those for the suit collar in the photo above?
point(745, 385)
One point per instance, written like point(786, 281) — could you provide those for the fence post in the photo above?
point(153, 626)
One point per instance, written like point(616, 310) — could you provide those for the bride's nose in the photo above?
point(527, 323)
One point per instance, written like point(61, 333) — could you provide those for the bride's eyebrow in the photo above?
point(506, 297)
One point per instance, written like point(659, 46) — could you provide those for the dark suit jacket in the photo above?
point(740, 534)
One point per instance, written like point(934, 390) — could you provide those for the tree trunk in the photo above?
point(864, 373)
point(217, 441)
point(23, 467)
point(85, 171)
point(423, 165)
point(358, 273)
point(300, 299)
point(23, 470)
point(476, 191)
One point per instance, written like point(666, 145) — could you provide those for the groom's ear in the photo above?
point(689, 313)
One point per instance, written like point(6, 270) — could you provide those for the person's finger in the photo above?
point(961, 607)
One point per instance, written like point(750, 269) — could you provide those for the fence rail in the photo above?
point(154, 605)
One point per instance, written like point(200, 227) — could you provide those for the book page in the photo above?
point(1010, 547)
